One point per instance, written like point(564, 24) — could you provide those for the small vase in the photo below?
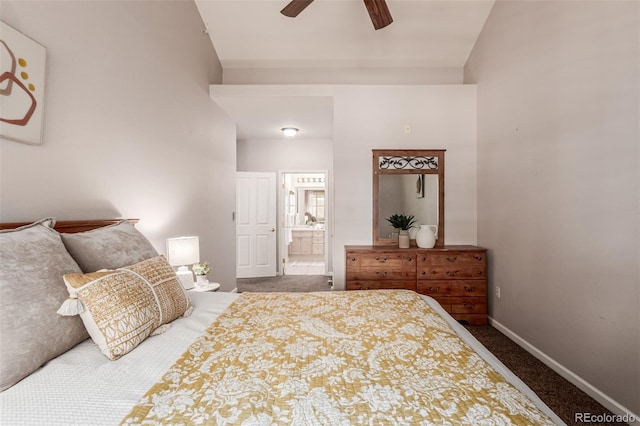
point(426, 236)
point(403, 239)
point(202, 280)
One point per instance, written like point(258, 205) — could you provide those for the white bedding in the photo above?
point(83, 387)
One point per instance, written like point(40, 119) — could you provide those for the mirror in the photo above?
point(305, 198)
point(306, 206)
point(312, 201)
point(414, 194)
point(409, 182)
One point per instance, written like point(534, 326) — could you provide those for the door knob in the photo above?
point(273, 229)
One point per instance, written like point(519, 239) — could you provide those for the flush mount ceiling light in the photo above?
point(289, 131)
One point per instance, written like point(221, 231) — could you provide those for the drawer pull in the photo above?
point(479, 272)
point(469, 288)
point(408, 259)
point(469, 305)
point(434, 289)
point(452, 259)
point(383, 273)
point(424, 259)
point(424, 272)
point(379, 260)
point(478, 258)
point(353, 259)
point(452, 273)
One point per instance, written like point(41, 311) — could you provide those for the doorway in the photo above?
point(304, 238)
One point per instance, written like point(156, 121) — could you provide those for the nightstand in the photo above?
point(206, 287)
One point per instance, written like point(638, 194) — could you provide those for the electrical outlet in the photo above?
point(498, 292)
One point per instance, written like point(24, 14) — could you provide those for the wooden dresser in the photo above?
point(456, 276)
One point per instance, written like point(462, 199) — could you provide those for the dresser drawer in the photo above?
point(451, 265)
point(382, 274)
point(380, 285)
point(452, 272)
point(468, 305)
point(393, 261)
point(463, 305)
point(381, 266)
point(453, 288)
point(452, 258)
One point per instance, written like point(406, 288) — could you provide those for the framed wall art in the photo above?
point(22, 79)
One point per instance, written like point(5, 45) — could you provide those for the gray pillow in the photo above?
point(32, 263)
point(112, 247)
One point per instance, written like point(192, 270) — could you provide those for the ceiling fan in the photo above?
point(378, 11)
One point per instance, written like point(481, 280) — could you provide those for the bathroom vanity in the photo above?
point(307, 241)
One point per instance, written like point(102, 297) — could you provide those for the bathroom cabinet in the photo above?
point(307, 242)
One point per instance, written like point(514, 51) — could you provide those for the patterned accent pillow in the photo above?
point(121, 308)
point(32, 263)
point(111, 247)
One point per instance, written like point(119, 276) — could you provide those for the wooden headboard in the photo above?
point(71, 226)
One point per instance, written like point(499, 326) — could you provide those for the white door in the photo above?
point(255, 224)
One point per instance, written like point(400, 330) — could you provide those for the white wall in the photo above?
point(559, 184)
point(129, 127)
point(272, 155)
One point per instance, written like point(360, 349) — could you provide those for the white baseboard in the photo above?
point(579, 382)
point(235, 290)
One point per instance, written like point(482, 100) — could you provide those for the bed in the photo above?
point(361, 357)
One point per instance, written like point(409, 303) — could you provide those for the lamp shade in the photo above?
point(183, 251)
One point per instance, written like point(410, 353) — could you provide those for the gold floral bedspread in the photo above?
point(332, 358)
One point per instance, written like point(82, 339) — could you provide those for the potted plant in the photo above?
point(402, 223)
point(201, 269)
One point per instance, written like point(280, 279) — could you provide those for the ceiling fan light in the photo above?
point(289, 131)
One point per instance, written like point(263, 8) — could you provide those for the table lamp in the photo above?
point(183, 251)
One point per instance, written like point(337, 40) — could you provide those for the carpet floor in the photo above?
point(292, 283)
point(561, 396)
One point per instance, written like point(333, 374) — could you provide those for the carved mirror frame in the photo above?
point(407, 161)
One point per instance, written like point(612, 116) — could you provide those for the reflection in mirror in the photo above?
point(307, 206)
point(408, 182)
point(313, 206)
point(414, 194)
point(305, 198)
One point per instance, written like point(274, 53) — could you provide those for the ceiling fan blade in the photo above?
point(295, 7)
point(379, 13)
